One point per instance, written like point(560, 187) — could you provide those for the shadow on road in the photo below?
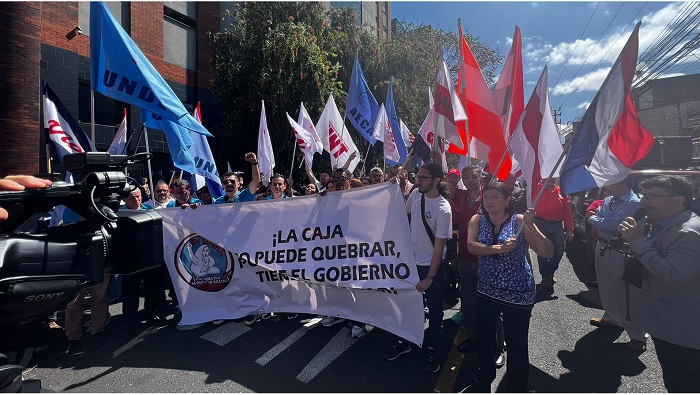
point(596, 364)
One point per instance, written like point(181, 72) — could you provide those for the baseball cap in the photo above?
point(454, 171)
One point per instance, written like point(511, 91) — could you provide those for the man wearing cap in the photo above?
point(452, 178)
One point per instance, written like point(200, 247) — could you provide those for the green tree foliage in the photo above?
point(291, 52)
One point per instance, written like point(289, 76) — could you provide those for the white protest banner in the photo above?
point(347, 254)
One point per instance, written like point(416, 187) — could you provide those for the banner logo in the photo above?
point(202, 264)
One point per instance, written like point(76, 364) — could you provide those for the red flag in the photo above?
point(509, 96)
point(629, 141)
point(483, 118)
point(536, 145)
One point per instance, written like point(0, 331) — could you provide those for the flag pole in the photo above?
point(291, 167)
point(48, 158)
point(92, 119)
point(466, 123)
point(364, 162)
point(549, 178)
point(148, 151)
point(126, 129)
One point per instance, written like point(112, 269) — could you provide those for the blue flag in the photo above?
point(121, 71)
point(178, 138)
point(395, 127)
point(362, 108)
point(204, 162)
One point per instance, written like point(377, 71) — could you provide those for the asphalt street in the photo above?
point(300, 355)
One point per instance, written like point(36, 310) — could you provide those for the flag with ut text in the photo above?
point(64, 134)
point(448, 108)
point(335, 136)
point(307, 144)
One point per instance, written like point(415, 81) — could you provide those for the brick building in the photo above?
point(41, 42)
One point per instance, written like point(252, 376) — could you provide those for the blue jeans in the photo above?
point(555, 233)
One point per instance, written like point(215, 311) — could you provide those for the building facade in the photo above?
point(374, 16)
point(44, 44)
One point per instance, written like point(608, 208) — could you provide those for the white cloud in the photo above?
point(608, 48)
point(509, 41)
point(584, 105)
point(588, 82)
point(530, 82)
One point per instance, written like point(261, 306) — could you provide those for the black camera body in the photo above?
point(40, 272)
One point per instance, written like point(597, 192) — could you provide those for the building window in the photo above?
point(180, 35)
point(121, 10)
point(107, 111)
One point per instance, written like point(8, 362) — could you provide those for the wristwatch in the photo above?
point(430, 276)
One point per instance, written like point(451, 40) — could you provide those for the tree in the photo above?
point(286, 53)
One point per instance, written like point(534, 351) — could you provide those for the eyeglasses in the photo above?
point(340, 178)
point(376, 175)
point(423, 178)
point(226, 182)
point(650, 196)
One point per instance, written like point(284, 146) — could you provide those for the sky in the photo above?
point(551, 32)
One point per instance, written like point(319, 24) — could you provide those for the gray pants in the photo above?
point(613, 293)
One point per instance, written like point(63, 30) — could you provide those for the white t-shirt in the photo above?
point(438, 214)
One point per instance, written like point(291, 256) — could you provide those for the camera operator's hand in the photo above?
point(630, 229)
point(20, 183)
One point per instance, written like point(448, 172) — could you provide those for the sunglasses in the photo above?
point(340, 178)
point(226, 182)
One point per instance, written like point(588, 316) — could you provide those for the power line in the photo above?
point(589, 54)
point(577, 42)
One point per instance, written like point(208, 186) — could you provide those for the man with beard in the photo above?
point(230, 181)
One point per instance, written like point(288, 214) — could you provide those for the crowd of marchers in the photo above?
point(483, 226)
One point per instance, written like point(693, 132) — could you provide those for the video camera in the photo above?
point(40, 272)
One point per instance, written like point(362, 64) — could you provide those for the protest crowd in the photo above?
point(479, 227)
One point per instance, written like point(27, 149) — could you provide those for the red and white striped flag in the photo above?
point(536, 145)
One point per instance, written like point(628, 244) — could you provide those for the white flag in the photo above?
point(266, 158)
point(306, 122)
point(118, 146)
point(306, 142)
point(448, 108)
point(336, 137)
point(382, 132)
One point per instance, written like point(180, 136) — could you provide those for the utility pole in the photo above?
point(556, 113)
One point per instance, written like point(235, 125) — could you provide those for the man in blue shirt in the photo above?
point(620, 300)
point(230, 181)
point(183, 197)
point(277, 187)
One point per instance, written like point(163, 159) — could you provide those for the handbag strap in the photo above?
point(425, 223)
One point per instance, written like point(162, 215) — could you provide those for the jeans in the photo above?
point(516, 325)
point(555, 233)
point(680, 366)
point(433, 296)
